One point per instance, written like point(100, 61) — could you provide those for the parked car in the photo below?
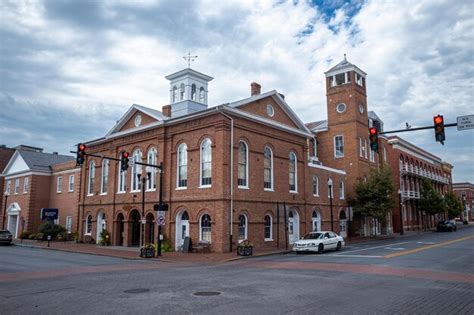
point(448, 225)
point(6, 237)
point(319, 242)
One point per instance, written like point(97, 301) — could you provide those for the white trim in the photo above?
point(201, 162)
point(73, 183)
point(181, 188)
point(90, 179)
point(74, 170)
point(327, 169)
point(10, 177)
point(136, 169)
point(342, 189)
point(59, 187)
point(26, 184)
point(295, 191)
point(246, 186)
point(205, 186)
point(402, 145)
point(335, 150)
point(246, 226)
point(104, 186)
point(269, 239)
point(317, 185)
point(178, 165)
point(151, 181)
point(272, 187)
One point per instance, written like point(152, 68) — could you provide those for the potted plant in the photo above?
point(245, 248)
point(147, 251)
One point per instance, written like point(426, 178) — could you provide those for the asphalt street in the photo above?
point(431, 273)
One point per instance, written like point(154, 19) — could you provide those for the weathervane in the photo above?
point(189, 58)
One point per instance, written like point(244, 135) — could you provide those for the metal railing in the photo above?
point(415, 170)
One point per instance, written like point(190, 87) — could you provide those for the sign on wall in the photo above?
point(49, 214)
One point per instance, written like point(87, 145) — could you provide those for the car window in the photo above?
point(326, 235)
point(332, 234)
point(4, 232)
point(312, 236)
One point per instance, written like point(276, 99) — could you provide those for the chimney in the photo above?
point(55, 153)
point(255, 88)
point(166, 110)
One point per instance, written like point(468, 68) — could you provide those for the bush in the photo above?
point(165, 246)
point(39, 236)
point(104, 238)
point(49, 228)
point(32, 236)
point(24, 235)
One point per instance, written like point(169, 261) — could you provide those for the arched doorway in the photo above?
point(150, 229)
point(316, 221)
point(182, 228)
point(134, 228)
point(101, 225)
point(120, 230)
point(293, 226)
point(342, 223)
point(13, 213)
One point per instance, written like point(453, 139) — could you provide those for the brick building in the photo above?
point(225, 170)
point(35, 180)
point(465, 193)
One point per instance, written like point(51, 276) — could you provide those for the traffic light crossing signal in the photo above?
point(81, 153)
point(439, 128)
point(374, 139)
point(124, 161)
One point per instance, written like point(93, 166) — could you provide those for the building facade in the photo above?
point(230, 173)
point(465, 193)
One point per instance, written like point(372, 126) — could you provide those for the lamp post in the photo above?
point(4, 211)
point(401, 212)
point(143, 179)
point(330, 202)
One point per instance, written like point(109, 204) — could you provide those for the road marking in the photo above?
point(412, 251)
point(429, 243)
point(395, 248)
point(369, 248)
point(355, 256)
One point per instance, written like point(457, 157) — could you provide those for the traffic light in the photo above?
point(374, 139)
point(124, 161)
point(81, 153)
point(439, 128)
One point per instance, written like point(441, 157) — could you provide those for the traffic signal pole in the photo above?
point(414, 129)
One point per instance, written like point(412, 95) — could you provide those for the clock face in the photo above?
point(341, 108)
point(361, 108)
point(138, 120)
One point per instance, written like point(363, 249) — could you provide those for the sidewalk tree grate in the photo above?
point(206, 293)
point(138, 290)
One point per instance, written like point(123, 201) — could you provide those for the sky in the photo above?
point(70, 69)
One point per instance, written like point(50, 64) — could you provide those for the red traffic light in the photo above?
point(125, 154)
point(372, 131)
point(438, 119)
point(82, 147)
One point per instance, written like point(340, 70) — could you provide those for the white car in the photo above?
point(319, 242)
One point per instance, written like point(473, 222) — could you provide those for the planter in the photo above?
point(245, 249)
point(147, 252)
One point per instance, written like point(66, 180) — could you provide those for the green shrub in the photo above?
point(49, 228)
point(32, 236)
point(105, 238)
point(166, 246)
point(39, 236)
point(24, 235)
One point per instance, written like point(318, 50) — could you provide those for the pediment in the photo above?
point(136, 117)
point(16, 165)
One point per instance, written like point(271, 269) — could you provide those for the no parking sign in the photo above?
point(161, 220)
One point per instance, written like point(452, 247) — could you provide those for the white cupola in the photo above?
point(188, 92)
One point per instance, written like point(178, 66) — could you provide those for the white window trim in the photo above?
point(200, 228)
point(71, 182)
point(342, 190)
point(68, 218)
point(361, 148)
point(138, 170)
point(85, 227)
point(16, 189)
point(177, 168)
point(105, 166)
point(246, 228)
point(295, 191)
point(151, 181)
point(59, 187)
point(90, 179)
point(317, 185)
point(26, 184)
point(8, 187)
point(270, 239)
point(334, 143)
point(121, 174)
point(246, 165)
point(201, 162)
point(271, 169)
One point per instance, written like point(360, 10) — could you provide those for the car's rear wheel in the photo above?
point(320, 248)
point(339, 246)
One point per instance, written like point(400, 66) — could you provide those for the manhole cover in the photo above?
point(206, 293)
point(134, 291)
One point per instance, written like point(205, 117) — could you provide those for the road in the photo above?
point(432, 273)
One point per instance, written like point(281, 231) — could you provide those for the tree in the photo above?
point(431, 201)
point(374, 197)
point(453, 205)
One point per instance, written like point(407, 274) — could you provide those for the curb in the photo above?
point(258, 255)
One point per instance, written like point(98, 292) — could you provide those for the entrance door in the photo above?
point(135, 228)
point(120, 229)
point(316, 222)
point(13, 224)
point(293, 226)
point(101, 225)
point(343, 228)
point(182, 229)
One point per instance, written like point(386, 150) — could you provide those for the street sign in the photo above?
point(131, 162)
point(161, 220)
point(161, 207)
point(161, 213)
point(465, 122)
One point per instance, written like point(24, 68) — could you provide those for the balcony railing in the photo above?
point(415, 170)
point(410, 194)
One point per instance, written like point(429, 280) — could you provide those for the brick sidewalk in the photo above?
point(133, 252)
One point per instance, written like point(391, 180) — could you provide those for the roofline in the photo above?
point(348, 67)
point(394, 140)
point(327, 168)
point(197, 73)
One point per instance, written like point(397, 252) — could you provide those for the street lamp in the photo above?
point(4, 212)
point(144, 179)
point(330, 202)
point(401, 213)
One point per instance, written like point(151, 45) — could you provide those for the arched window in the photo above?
point(206, 162)
point(121, 178)
point(105, 176)
point(205, 228)
point(341, 190)
point(136, 170)
point(90, 185)
point(316, 221)
point(243, 165)
point(151, 159)
point(268, 169)
point(181, 92)
point(292, 173)
point(268, 228)
point(202, 97)
point(88, 225)
point(182, 178)
point(175, 94)
point(193, 92)
point(242, 227)
point(315, 185)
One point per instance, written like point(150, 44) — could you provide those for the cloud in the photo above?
point(88, 61)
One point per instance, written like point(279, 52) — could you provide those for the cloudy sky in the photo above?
point(70, 69)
